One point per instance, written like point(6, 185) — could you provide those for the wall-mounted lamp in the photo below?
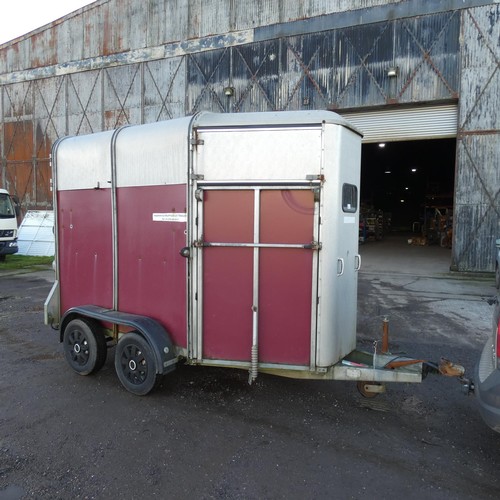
point(392, 72)
point(229, 91)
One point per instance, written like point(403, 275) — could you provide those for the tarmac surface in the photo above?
point(205, 433)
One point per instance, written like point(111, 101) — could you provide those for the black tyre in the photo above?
point(84, 346)
point(366, 394)
point(135, 364)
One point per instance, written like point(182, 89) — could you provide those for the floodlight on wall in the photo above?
point(392, 72)
point(229, 91)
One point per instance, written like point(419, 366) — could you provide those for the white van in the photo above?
point(9, 209)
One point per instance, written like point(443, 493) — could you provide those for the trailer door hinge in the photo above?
point(315, 177)
point(196, 177)
point(198, 194)
point(196, 142)
point(198, 243)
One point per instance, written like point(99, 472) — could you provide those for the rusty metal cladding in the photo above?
point(109, 27)
point(50, 111)
point(94, 70)
point(477, 196)
point(164, 84)
point(255, 70)
point(433, 41)
point(84, 102)
point(477, 210)
point(208, 73)
point(309, 63)
point(122, 96)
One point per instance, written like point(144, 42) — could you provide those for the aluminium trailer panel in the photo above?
point(260, 201)
point(120, 201)
point(275, 257)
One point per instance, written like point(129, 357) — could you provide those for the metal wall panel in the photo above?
point(208, 73)
point(17, 138)
point(122, 96)
point(208, 19)
point(110, 26)
point(477, 196)
point(426, 55)
point(50, 113)
point(255, 70)
point(98, 71)
point(345, 68)
point(84, 102)
point(309, 63)
point(164, 84)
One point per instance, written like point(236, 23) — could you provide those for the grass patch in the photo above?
point(27, 262)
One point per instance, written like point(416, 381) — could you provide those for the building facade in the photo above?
point(119, 62)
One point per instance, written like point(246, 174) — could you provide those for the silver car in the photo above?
point(487, 387)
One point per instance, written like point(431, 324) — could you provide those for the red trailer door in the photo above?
point(257, 274)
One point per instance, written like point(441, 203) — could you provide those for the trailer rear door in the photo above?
point(257, 273)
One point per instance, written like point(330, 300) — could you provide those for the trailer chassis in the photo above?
point(145, 353)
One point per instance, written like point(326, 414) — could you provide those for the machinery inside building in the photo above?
point(407, 188)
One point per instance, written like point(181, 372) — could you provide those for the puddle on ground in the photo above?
point(12, 492)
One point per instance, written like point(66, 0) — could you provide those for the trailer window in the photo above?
point(349, 198)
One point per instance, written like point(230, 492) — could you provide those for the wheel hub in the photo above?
point(77, 348)
point(132, 365)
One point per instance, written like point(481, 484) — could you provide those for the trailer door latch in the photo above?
point(314, 245)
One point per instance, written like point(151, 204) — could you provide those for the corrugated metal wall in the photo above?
point(477, 192)
point(113, 26)
point(94, 71)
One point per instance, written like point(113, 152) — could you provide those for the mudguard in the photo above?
point(154, 333)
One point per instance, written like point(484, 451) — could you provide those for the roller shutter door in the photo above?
point(412, 123)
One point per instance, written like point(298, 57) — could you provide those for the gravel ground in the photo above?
point(205, 433)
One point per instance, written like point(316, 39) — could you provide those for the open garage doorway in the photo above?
point(409, 186)
point(406, 217)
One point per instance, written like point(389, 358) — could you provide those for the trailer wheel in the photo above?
point(362, 388)
point(135, 364)
point(84, 346)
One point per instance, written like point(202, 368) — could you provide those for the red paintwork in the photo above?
point(227, 275)
point(227, 303)
point(152, 274)
point(85, 248)
point(286, 216)
point(285, 276)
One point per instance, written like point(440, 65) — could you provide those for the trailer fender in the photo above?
point(152, 331)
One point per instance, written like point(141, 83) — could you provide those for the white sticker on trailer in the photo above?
point(170, 217)
point(349, 220)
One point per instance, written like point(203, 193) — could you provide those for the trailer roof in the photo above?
point(278, 118)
